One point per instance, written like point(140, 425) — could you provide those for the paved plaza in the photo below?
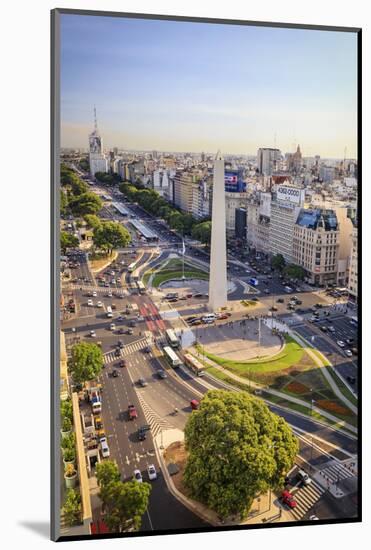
point(239, 340)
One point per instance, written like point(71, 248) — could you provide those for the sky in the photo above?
point(181, 86)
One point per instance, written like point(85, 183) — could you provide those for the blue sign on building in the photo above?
point(234, 182)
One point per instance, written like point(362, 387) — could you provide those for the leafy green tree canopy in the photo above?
point(107, 472)
point(295, 271)
point(278, 262)
point(202, 232)
point(68, 240)
point(237, 449)
point(87, 203)
point(92, 221)
point(111, 235)
point(125, 504)
point(86, 362)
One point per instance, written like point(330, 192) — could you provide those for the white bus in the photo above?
point(172, 357)
point(131, 268)
point(172, 338)
point(141, 287)
point(194, 365)
point(109, 311)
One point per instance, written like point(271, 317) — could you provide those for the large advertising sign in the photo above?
point(293, 195)
point(230, 178)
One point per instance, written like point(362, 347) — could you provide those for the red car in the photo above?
point(132, 412)
point(195, 404)
point(222, 316)
point(288, 499)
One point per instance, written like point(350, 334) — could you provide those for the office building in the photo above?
point(268, 160)
point(353, 265)
point(97, 160)
point(285, 207)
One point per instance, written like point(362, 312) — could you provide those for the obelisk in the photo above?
point(218, 255)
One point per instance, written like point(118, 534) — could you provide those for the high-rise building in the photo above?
point(97, 159)
point(285, 207)
point(295, 161)
point(268, 160)
point(353, 265)
point(240, 223)
point(218, 253)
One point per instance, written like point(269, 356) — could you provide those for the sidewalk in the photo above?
point(265, 508)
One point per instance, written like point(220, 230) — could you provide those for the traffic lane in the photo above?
point(166, 512)
point(338, 439)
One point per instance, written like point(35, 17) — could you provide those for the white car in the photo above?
point(303, 476)
point(93, 334)
point(341, 344)
point(94, 293)
point(331, 329)
point(90, 303)
point(99, 304)
point(152, 474)
point(138, 476)
point(109, 294)
point(104, 447)
point(112, 273)
point(113, 281)
point(112, 326)
point(348, 353)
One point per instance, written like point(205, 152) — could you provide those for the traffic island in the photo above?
point(172, 456)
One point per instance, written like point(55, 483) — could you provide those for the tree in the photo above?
point(106, 472)
point(87, 203)
point(125, 504)
point(202, 232)
point(237, 449)
point(295, 271)
point(92, 221)
point(278, 262)
point(63, 202)
point(86, 362)
point(72, 508)
point(68, 240)
point(111, 235)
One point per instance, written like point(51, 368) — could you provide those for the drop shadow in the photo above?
point(41, 528)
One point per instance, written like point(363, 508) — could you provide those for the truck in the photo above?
point(132, 412)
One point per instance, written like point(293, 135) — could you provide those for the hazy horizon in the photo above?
point(181, 86)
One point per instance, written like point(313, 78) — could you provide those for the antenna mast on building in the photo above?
point(95, 119)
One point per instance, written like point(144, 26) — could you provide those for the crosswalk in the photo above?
point(102, 291)
point(152, 418)
point(306, 497)
point(128, 349)
point(335, 471)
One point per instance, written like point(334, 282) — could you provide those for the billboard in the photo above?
point(293, 195)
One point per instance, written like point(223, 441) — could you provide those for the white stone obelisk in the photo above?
point(218, 255)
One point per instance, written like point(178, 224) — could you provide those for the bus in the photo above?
point(194, 365)
point(172, 338)
point(109, 311)
point(131, 268)
point(141, 287)
point(172, 357)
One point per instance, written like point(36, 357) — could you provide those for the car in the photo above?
point(141, 434)
point(115, 374)
point(351, 379)
point(313, 517)
point(288, 499)
point(349, 340)
point(117, 352)
point(132, 323)
point(142, 382)
point(93, 334)
point(299, 302)
point(113, 282)
point(129, 331)
point(90, 303)
point(348, 353)
point(137, 476)
point(152, 474)
point(331, 328)
point(323, 328)
point(222, 316)
point(340, 343)
point(121, 363)
point(198, 295)
point(109, 294)
point(121, 318)
point(304, 477)
point(161, 374)
point(99, 304)
point(94, 293)
point(112, 326)
point(280, 301)
point(122, 330)
point(147, 349)
point(172, 300)
point(273, 308)
point(120, 344)
point(192, 318)
point(104, 447)
point(354, 351)
point(195, 322)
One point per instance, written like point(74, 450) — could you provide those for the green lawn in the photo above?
point(290, 355)
point(173, 269)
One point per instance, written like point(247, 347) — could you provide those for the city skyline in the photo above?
point(236, 88)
